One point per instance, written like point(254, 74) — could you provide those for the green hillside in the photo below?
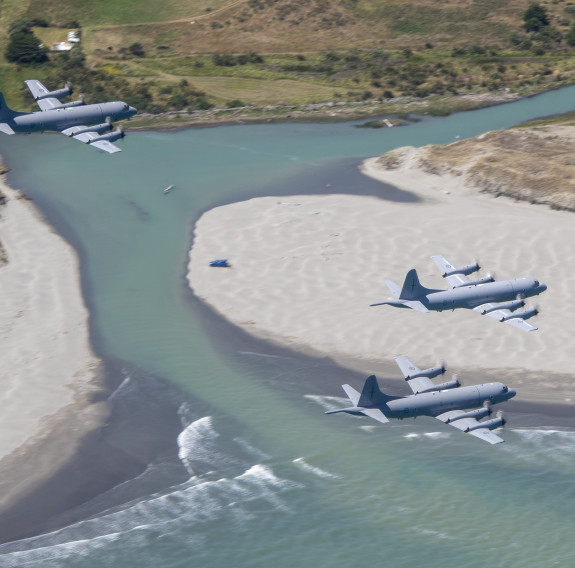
point(196, 54)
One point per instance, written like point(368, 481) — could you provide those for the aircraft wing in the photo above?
point(464, 424)
point(445, 266)
point(88, 137)
point(38, 90)
point(503, 313)
point(408, 368)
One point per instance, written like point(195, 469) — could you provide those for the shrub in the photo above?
point(535, 18)
point(137, 49)
point(24, 47)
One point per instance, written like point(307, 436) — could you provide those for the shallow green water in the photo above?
point(273, 481)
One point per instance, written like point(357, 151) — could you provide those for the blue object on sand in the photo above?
point(223, 263)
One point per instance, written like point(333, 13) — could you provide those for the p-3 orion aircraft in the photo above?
point(496, 299)
point(74, 119)
point(449, 402)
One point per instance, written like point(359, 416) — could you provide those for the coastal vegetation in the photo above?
point(532, 162)
point(266, 59)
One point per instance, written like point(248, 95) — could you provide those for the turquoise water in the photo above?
point(272, 480)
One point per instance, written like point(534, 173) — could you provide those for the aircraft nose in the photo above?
point(542, 287)
point(132, 111)
point(511, 393)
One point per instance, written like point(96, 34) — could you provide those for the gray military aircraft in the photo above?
point(72, 119)
point(498, 300)
point(446, 401)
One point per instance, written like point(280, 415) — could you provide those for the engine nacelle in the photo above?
point(442, 386)
point(99, 128)
point(71, 104)
point(429, 373)
point(505, 306)
point(57, 94)
point(525, 314)
point(469, 269)
point(477, 414)
point(484, 280)
point(491, 424)
point(112, 136)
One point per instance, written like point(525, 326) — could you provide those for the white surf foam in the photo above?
point(315, 470)
point(255, 491)
point(438, 435)
point(327, 402)
point(551, 444)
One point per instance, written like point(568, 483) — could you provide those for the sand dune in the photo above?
point(306, 268)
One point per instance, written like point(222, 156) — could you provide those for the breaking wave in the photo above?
point(315, 470)
point(224, 485)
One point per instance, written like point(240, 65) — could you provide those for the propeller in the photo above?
point(502, 417)
point(491, 275)
point(455, 377)
point(69, 87)
point(487, 404)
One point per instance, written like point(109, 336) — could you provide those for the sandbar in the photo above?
point(304, 270)
point(51, 382)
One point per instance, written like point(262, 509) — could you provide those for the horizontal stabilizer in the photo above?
point(411, 304)
point(376, 414)
point(6, 128)
point(352, 394)
point(393, 288)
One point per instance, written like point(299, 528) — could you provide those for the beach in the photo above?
point(304, 270)
point(52, 384)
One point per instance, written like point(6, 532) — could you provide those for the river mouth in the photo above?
point(277, 475)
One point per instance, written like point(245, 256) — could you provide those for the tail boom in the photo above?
point(411, 304)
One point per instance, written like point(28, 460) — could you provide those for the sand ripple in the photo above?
point(305, 269)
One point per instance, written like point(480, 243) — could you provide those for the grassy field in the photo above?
point(308, 50)
point(119, 12)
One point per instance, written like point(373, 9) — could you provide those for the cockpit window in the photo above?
point(536, 282)
point(505, 389)
point(125, 107)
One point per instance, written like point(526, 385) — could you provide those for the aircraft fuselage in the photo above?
point(475, 295)
point(61, 118)
point(434, 403)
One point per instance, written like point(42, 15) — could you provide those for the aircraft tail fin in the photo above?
point(393, 288)
point(371, 394)
point(412, 288)
point(6, 113)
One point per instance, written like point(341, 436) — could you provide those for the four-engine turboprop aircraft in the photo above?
point(498, 300)
point(72, 119)
point(447, 401)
